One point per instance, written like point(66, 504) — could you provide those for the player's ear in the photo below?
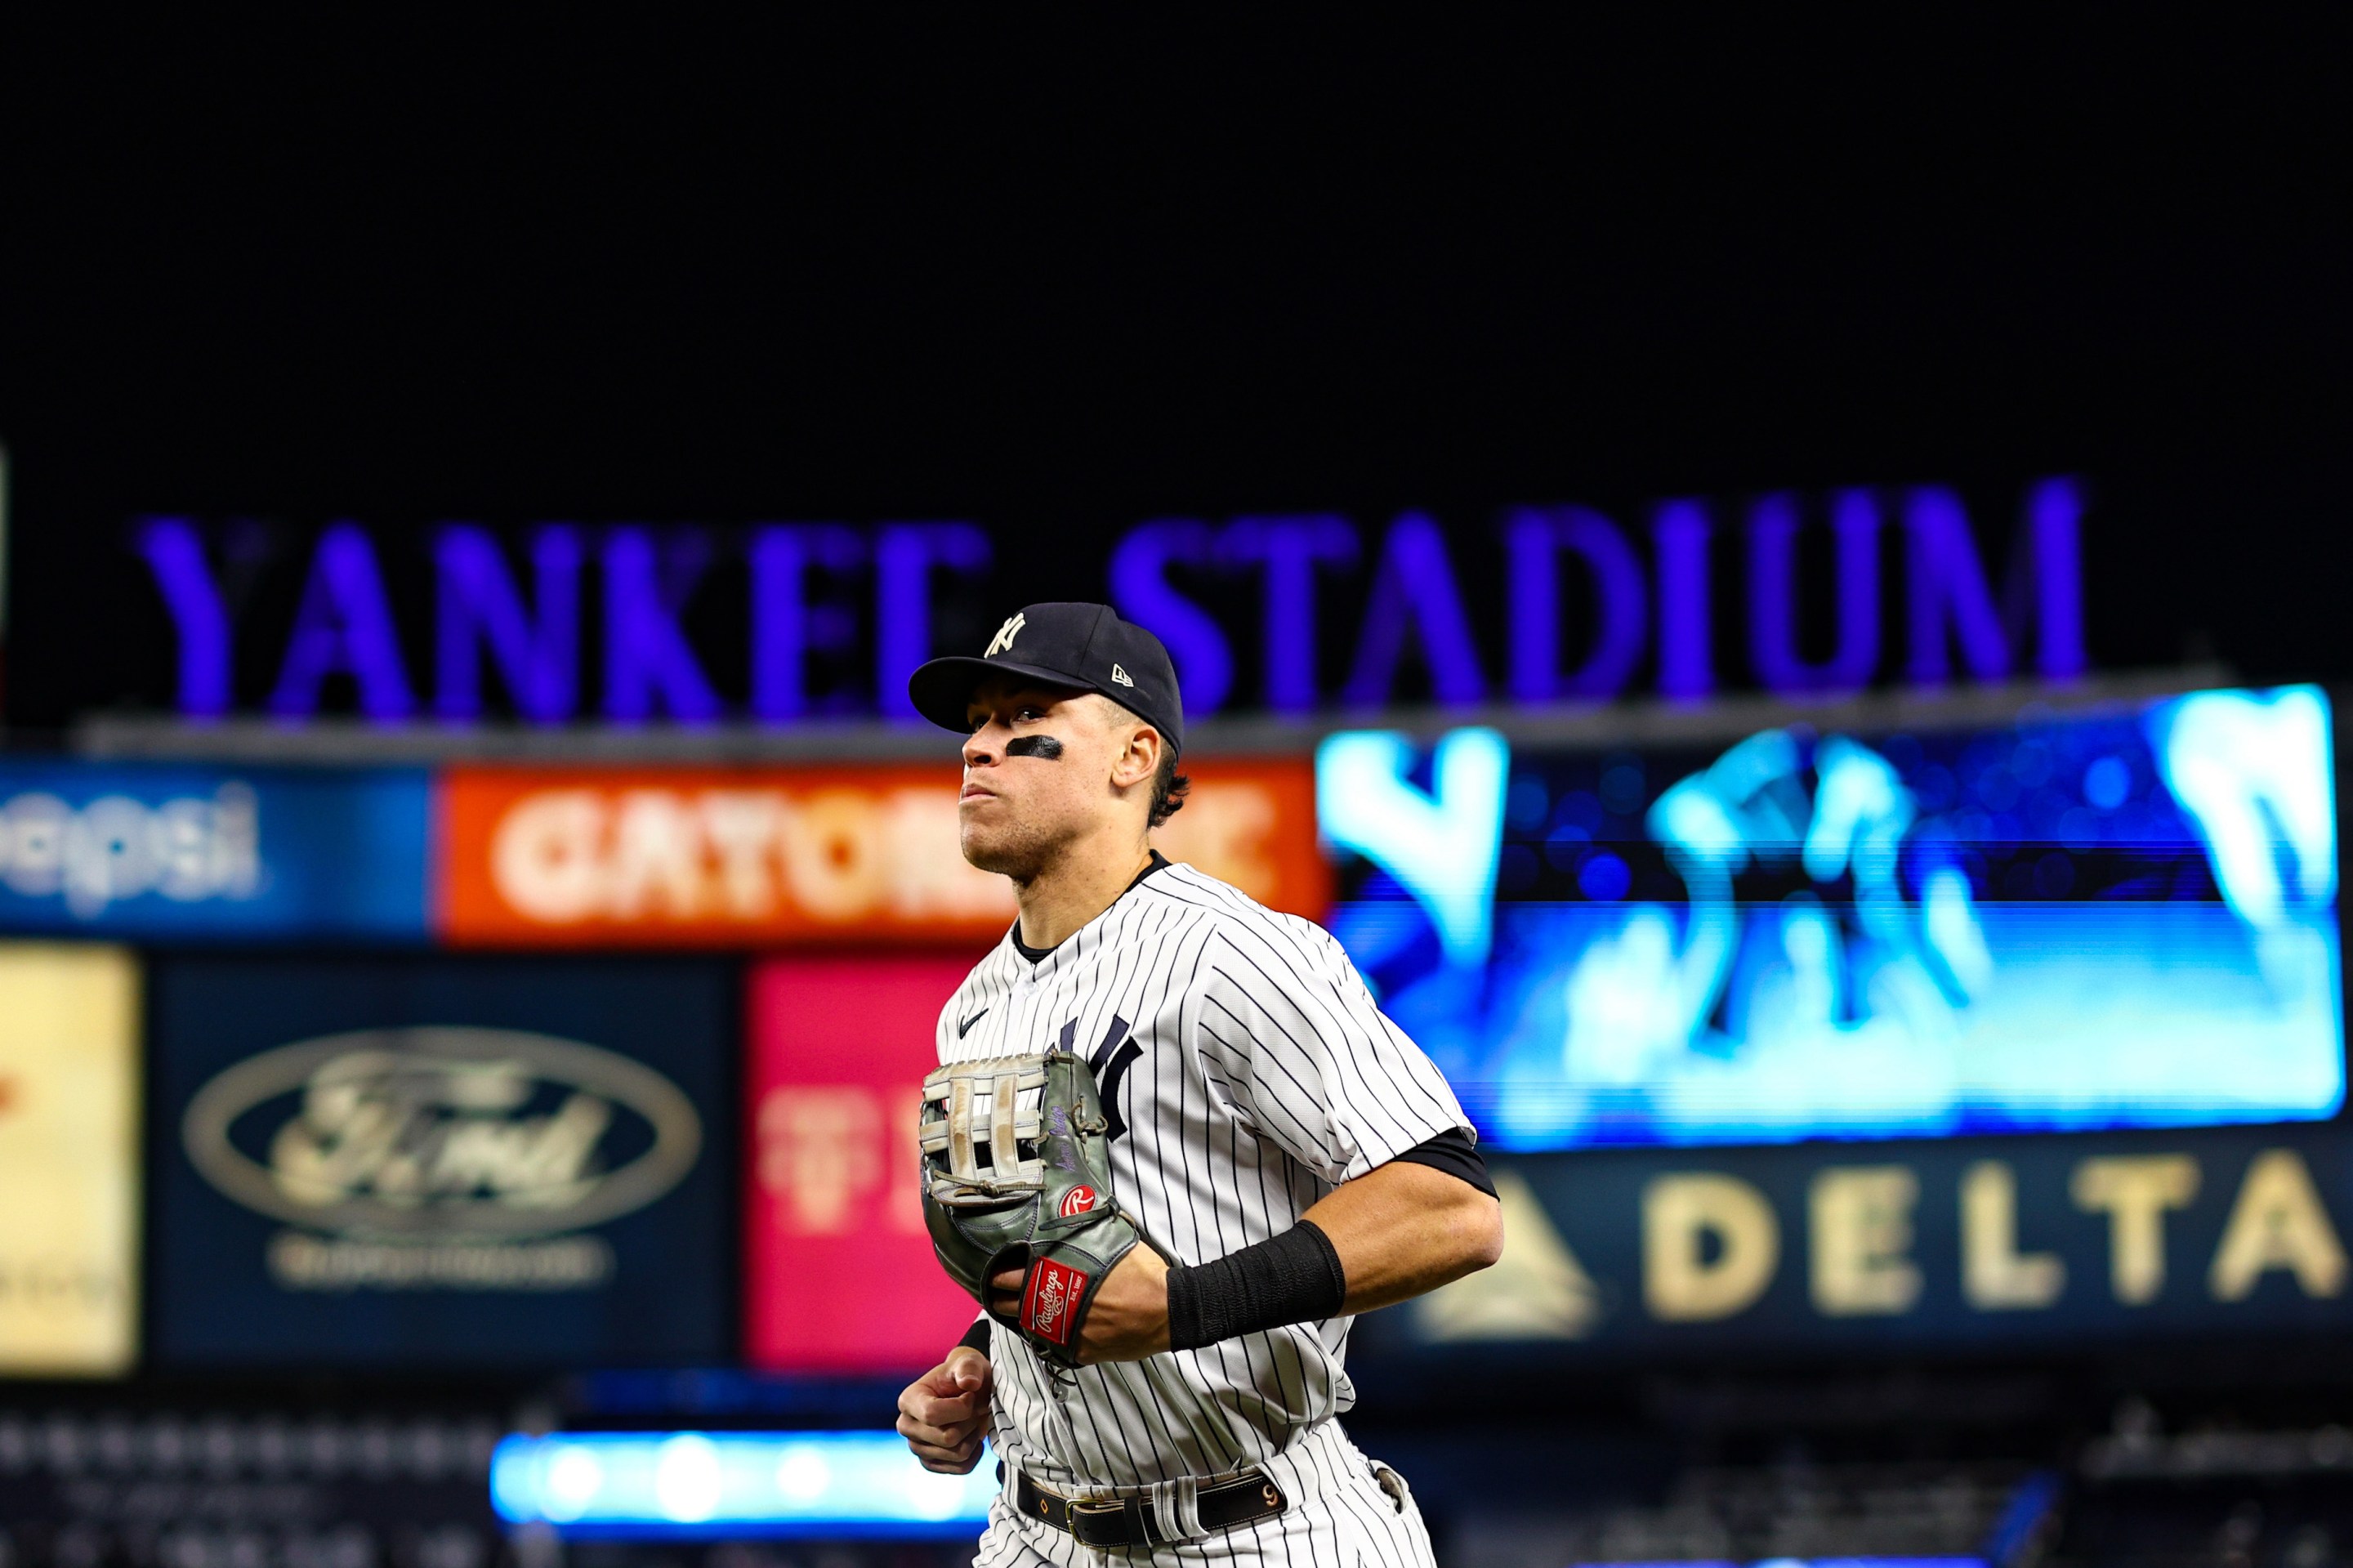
point(1138, 760)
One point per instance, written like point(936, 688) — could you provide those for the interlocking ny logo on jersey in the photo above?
point(1109, 1061)
point(1003, 642)
point(1052, 1288)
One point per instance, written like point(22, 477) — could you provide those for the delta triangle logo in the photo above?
point(1003, 642)
point(1536, 1291)
point(1119, 676)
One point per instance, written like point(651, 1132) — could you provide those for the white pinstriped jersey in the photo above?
point(1246, 1072)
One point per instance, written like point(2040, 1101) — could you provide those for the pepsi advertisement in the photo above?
point(397, 1162)
point(193, 852)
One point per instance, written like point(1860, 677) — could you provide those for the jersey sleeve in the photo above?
point(1286, 1029)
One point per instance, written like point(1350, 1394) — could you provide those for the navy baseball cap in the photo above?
point(1085, 646)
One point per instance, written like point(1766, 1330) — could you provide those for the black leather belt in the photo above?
point(1129, 1522)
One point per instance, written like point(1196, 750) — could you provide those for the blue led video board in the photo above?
point(2114, 919)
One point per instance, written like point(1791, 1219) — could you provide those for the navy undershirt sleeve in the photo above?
point(1453, 1152)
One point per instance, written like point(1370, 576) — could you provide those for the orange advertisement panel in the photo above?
point(745, 857)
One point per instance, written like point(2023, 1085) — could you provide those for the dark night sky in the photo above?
point(1065, 279)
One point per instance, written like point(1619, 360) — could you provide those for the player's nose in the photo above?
point(982, 748)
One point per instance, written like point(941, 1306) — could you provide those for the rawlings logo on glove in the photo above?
point(1051, 1288)
point(1016, 1175)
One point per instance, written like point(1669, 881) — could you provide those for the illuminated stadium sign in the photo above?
point(479, 1134)
point(364, 1163)
point(2122, 918)
point(839, 1484)
point(780, 623)
point(69, 1094)
point(1845, 1247)
point(210, 853)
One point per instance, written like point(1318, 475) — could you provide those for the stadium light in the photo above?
point(843, 1484)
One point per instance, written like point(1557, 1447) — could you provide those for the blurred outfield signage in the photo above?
point(206, 853)
point(68, 1159)
point(835, 1053)
point(518, 857)
point(781, 623)
point(619, 857)
point(1838, 1247)
point(408, 1160)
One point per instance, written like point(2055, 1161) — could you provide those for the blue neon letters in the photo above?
point(1561, 604)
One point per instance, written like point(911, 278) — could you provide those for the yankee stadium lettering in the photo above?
point(1554, 603)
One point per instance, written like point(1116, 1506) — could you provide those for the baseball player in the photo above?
point(1162, 1364)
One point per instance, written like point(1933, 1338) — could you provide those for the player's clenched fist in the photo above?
point(944, 1415)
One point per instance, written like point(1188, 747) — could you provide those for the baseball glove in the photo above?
point(1017, 1174)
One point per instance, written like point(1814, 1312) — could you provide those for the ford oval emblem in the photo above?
point(442, 1132)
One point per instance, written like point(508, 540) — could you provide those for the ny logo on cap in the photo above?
point(1003, 642)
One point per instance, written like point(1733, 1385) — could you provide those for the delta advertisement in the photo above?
point(403, 1160)
point(1839, 1248)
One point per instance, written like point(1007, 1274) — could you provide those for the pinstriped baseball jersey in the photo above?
point(1246, 1072)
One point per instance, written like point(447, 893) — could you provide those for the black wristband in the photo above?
point(977, 1337)
point(1294, 1278)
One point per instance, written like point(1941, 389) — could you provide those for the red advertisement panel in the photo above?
point(839, 1272)
point(701, 857)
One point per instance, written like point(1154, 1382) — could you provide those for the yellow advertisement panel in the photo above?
point(69, 1158)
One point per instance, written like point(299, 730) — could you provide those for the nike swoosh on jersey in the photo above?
point(965, 1028)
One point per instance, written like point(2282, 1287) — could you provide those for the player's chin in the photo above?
point(990, 847)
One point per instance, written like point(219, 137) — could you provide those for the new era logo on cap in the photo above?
point(1120, 675)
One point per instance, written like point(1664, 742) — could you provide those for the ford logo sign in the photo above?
point(442, 1132)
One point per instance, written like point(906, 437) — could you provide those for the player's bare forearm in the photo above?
point(1402, 1229)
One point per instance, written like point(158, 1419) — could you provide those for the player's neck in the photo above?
point(1083, 882)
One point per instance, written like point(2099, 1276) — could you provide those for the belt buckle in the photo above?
point(1085, 1511)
